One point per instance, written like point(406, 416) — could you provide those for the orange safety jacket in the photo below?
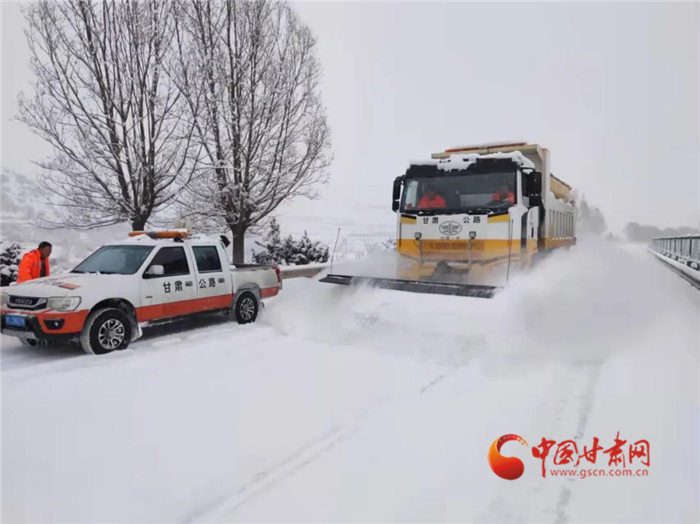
point(437, 202)
point(500, 196)
point(30, 266)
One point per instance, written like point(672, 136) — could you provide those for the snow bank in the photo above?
point(582, 303)
point(538, 315)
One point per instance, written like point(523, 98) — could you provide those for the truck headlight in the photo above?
point(63, 303)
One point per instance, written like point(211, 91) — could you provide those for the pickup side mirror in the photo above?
point(396, 195)
point(155, 271)
point(535, 188)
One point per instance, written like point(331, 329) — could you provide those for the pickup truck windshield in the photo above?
point(115, 260)
point(478, 192)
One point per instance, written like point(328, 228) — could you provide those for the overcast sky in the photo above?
point(611, 89)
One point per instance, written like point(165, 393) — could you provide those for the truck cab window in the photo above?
point(207, 258)
point(456, 193)
point(173, 260)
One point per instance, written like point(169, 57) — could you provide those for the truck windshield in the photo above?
point(115, 260)
point(478, 192)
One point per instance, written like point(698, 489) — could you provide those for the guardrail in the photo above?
point(681, 253)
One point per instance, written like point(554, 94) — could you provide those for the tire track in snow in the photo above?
point(441, 377)
point(586, 399)
point(226, 503)
point(552, 500)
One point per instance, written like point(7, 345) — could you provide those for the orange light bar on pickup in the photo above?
point(160, 234)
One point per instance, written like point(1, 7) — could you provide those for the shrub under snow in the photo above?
point(289, 251)
point(10, 256)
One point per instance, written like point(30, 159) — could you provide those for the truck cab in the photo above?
point(472, 212)
point(150, 277)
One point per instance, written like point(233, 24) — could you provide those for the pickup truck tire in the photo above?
point(106, 330)
point(246, 308)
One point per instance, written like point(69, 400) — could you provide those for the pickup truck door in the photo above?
point(172, 294)
point(213, 277)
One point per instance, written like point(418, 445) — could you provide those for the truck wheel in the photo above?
point(28, 342)
point(246, 308)
point(106, 330)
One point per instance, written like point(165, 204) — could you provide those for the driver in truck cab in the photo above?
point(431, 200)
point(503, 193)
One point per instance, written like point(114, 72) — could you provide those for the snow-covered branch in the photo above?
point(249, 74)
point(105, 100)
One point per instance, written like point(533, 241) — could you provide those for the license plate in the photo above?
point(14, 321)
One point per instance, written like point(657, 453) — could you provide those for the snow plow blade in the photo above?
point(415, 286)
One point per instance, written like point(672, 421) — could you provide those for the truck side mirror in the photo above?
point(396, 195)
point(535, 188)
point(155, 271)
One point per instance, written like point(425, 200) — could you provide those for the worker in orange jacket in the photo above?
point(503, 193)
point(431, 200)
point(35, 264)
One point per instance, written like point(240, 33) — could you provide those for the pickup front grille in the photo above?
point(27, 303)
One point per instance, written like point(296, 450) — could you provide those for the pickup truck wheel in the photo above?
point(246, 308)
point(106, 330)
point(29, 342)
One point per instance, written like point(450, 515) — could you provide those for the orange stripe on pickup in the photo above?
point(269, 292)
point(183, 307)
point(188, 307)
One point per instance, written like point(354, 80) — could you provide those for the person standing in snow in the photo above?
point(35, 264)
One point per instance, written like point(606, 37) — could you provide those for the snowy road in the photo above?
point(371, 405)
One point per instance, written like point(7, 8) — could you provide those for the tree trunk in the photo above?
point(238, 233)
point(138, 224)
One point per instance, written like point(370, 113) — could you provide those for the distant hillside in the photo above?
point(360, 230)
point(21, 207)
point(635, 232)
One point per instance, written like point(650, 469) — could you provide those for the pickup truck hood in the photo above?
point(62, 285)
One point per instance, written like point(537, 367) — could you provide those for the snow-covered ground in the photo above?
point(371, 405)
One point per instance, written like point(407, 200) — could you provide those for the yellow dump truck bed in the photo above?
point(561, 189)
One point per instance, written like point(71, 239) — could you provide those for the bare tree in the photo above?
point(104, 100)
point(251, 78)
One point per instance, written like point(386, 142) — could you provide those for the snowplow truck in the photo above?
point(471, 216)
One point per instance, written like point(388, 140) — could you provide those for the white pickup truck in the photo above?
point(148, 278)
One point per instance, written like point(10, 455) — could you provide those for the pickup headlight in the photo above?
point(63, 303)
